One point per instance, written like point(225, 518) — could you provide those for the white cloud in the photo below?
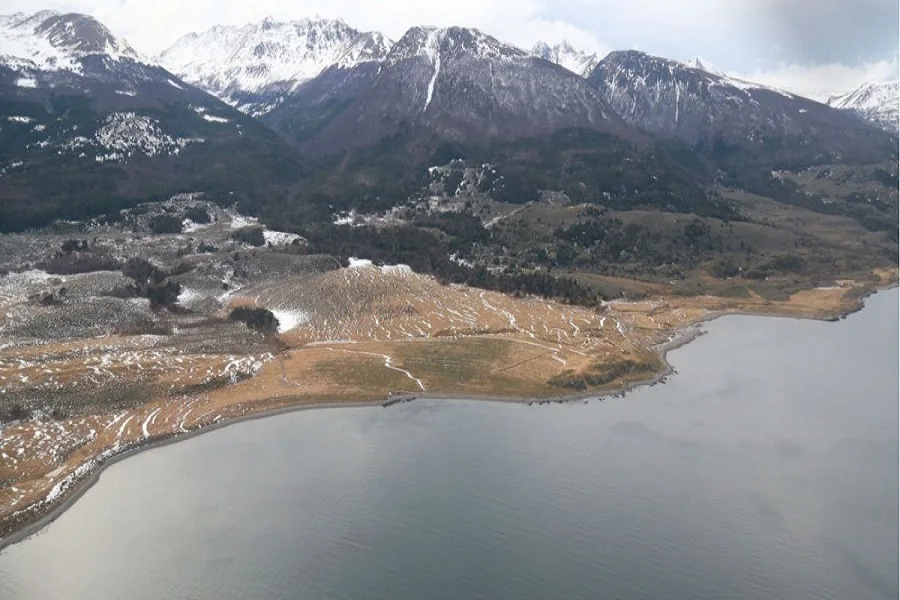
point(821, 81)
point(749, 37)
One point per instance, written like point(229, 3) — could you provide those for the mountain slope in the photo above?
point(307, 109)
point(875, 102)
point(668, 98)
point(87, 126)
point(255, 66)
point(459, 83)
point(563, 54)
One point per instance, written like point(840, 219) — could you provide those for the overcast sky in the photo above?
point(813, 47)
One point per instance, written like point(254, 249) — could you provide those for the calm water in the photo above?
point(767, 468)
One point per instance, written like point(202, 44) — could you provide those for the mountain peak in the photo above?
point(450, 41)
point(457, 83)
point(253, 65)
point(704, 65)
point(876, 101)
point(83, 35)
point(565, 55)
point(48, 40)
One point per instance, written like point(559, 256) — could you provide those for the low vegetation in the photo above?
point(259, 319)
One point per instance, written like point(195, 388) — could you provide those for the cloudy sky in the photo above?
point(814, 47)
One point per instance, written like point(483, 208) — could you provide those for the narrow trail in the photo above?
point(509, 316)
point(284, 377)
point(387, 363)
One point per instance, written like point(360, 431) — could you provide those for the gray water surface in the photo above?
point(766, 468)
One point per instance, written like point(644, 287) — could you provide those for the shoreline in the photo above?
point(44, 515)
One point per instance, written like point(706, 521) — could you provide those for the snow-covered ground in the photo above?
point(289, 319)
point(280, 238)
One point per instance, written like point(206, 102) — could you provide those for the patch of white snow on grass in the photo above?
point(239, 221)
point(26, 82)
point(188, 226)
point(148, 421)
point(280, 238)
point(290, 319)
point(359, 263)
point(397, 269)
point(189, 296)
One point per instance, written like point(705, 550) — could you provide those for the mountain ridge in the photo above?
point(565, 55)
point(461, 83)
point(878, 102)
point(671, 99)
point(255, 66)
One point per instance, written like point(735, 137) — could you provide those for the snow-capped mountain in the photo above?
point(48, 40)
point(563, 54)
point(79, 105)
point(253, 67)
point(668, 98)
point(50, 58)
point(460, 83)
point(876, 102)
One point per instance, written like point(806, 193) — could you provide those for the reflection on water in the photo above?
point(767, 468)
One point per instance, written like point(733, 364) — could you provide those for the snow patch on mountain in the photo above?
point(704, 65)
point(368, 47)
point(749, 86)
point(432, 48)
point(123, 135)
point(579, 62)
